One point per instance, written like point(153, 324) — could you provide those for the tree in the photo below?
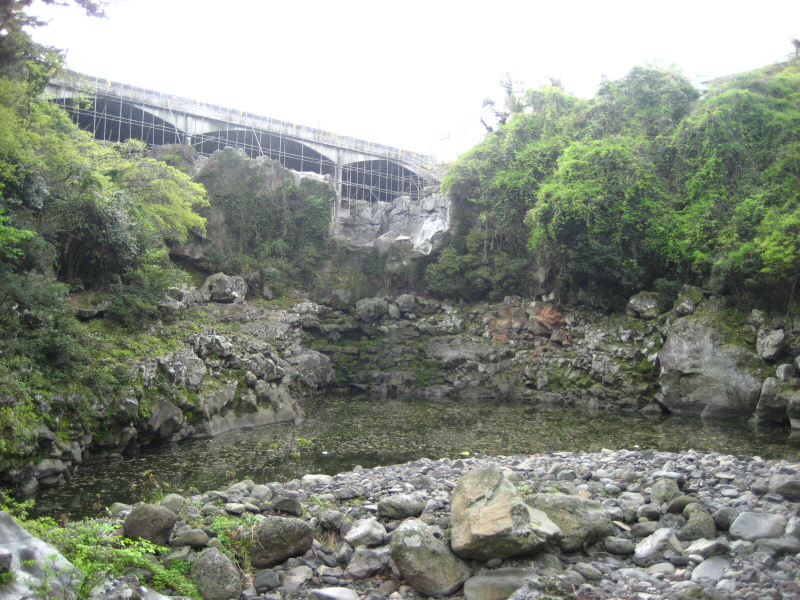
point(595, 218)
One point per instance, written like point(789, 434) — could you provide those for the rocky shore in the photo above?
point(636, 524)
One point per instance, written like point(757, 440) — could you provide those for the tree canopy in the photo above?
point(650, 179)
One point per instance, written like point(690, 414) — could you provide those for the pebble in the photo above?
point(750, 567)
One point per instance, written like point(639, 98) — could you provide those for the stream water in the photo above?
point(339, 433)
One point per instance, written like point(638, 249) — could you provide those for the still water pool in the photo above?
point(339, 433)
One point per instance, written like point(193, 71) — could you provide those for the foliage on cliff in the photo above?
point(284, 226)
point(649, 179)
point(74, 214)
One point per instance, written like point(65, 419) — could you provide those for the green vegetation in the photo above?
point(647, 180)
point(93, 548)
point(286, 228)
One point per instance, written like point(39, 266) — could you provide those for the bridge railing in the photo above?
point(91, 84)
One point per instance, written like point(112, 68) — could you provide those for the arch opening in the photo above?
point(292, 154)
point(111, 120)
point(380, 181)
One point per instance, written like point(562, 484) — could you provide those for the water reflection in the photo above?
point(340, 433)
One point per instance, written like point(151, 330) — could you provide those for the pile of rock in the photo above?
point(616, 524)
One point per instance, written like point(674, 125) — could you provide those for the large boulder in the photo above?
point(215, 576)
point(648, 305)
point(371, 309)
point(223, 289)
point(793, 410)
point(311, 367)
point(704, 374)
point(183, 367)
point(33, 561)
point(150, 522)
point(425, 561)
point(787, 485)
point(491, 520)
point(773, 402)
point(769, 343)
point(582, 521)
point(166, 420)
point(276, 539)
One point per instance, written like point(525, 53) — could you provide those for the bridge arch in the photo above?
point(380, 180)
point(113, 120)
point(291, 153)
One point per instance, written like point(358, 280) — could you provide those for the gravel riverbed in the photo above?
point(674, 525)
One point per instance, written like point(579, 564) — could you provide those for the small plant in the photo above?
point(525, 489)
point(304, 443)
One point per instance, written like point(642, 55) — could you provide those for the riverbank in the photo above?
point(629, 525)
point(234, 366)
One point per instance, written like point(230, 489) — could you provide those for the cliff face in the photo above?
point(417, 225)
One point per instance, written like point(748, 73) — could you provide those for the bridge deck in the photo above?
point(361, 169)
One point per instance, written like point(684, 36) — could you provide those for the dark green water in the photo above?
point(339, 433)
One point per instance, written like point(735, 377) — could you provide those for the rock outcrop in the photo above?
point(706, 375)
point(415, 224)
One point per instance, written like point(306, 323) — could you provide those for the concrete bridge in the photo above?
point(361, 170)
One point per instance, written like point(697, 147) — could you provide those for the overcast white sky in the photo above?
point(407, 74)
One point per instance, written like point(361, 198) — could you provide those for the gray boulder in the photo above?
point(793, 410)
point(582, 521)
point(32, 560)
point(266, 580)
point(166, 420)
point(705, 548)
point(769, 343)
point(773, 402)
point(688, 301)
point(704, 374)
point(311, 367)
point(150, 522)
point(183, 367)
point(648, 305)
point(497, 584)
point(490, 519)
point(363, 563)
point(174, 502)
point(405, 302)
point(371, 309)
point(215, 576)
point(293, 579)
point(425, 561)
point(751, 526)
point(276, 539)
point(786, 485)
point(657, 548)
point(710, 569)
point(785, 372)
point(401, 506)
point(366, 532)
point(700, 524)
point(223, 289)
point(196, 538)
point(664, 490)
